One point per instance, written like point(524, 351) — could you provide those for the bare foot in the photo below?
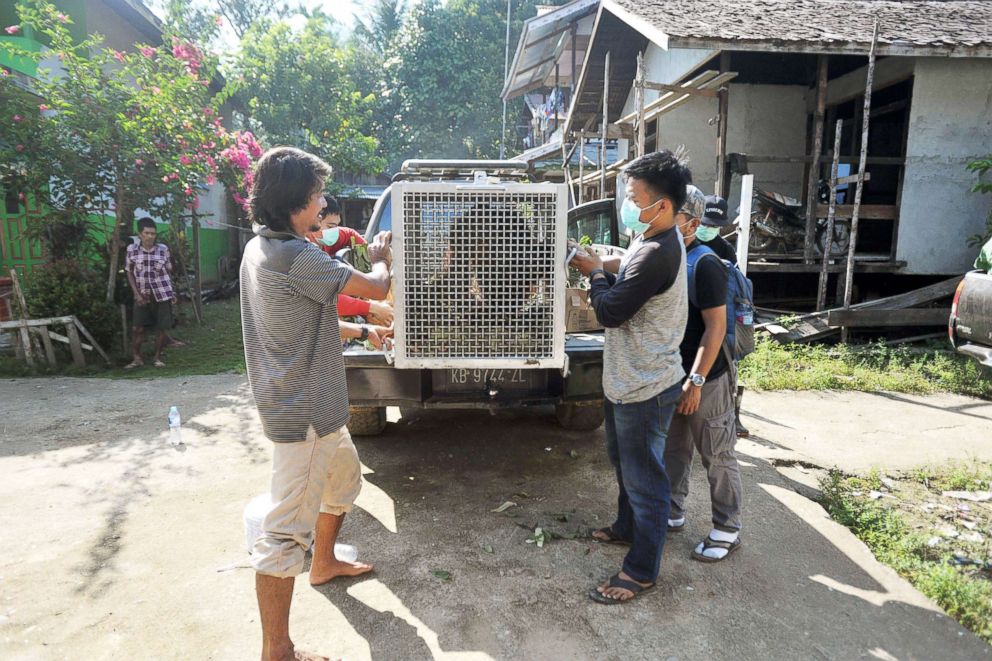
point(295, 655)
point(325, 573)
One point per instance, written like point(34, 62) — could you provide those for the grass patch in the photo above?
point(214, 347)
point(867, 368)
point(964, 593)
point(965, 476)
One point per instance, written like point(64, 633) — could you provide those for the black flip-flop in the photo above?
point(710, 543)
point(611, 537)
point(616, 582)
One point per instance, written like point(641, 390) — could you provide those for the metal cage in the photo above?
point(479, 275)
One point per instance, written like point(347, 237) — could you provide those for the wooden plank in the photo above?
point(48, 321)
point(821, 291)
point(812, 183)
point(46, 343)
point(723, 111)
point(801, 267)
point(874, 317)
point(859, 187)
point(668, 96)
point(694, 91)
point(86, 334)
point(851, 179)
point(868, 211)
point(58, 337)
point(74, 346)
point(606, 126)
point(25, 336)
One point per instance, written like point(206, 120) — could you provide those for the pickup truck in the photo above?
point(433, 365)
point(970, 323)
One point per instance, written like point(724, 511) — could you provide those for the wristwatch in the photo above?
point(592, 274)
point(365, 334)
point(697, 379)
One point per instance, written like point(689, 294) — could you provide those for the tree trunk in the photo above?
point(115, 241)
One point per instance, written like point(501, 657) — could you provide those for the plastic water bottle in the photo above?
point(175, 427)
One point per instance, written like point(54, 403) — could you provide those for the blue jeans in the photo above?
point(635, 443)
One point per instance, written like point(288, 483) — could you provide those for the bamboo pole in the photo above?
point(606, 127)
point(723, 103)
point(821, 296)
point(865, 120)
point(582, 161)
point(812, 184)
point(744, 222)
point(198, 272)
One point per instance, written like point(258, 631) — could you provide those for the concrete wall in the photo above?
point(766, 120)
point(117, 32)
point(950, 125)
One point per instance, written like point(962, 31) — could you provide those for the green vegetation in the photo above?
point(873, 367)
point(963, 593)
point(965, 476)
point(215, 347)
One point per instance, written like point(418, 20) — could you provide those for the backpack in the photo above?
point(740, 302)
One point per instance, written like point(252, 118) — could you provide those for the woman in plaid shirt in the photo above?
point(149, 271)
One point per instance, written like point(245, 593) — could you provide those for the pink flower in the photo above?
point(211, 180)
point(43, 108)
point(119, 56)
point(157, 89)
point(195, 204)
point(218, 20)
point(62, 18)
point(138, 162)
point(174, 176)
point(165, 179)
point(207, 111)
point(148, 52)
point(185, 160)
point(18, 118)
point(238, 199)
point(12, 29)
point(188, 191)
point(19, 148)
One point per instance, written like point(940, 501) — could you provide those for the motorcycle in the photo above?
point(778, 222)
point(778, 225)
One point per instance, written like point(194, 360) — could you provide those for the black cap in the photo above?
point(716, 212)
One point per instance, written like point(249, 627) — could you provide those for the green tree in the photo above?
point(296, 89)
point(112, 132)
point(443, 76)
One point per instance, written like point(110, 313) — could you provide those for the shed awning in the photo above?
point(543, 42)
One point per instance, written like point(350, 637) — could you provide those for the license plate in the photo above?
point(483, 380)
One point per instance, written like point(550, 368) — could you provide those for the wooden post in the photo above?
point(721, 137)
point(821, 296)
point(606, 127)
point(74, 346)
point(197, 294)
point(25, 336)
point(582, 162)
point(46, 342)
point(744, 222)
point(812, 184)
point(86, 334)
point(865, 120)
point(125, 342)
point(639, 101)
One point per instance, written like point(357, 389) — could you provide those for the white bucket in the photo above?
point(261, 505)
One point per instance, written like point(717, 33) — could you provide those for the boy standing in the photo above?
point(149, 272)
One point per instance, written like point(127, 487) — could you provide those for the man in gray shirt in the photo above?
point(289, 290)
point(644, 309)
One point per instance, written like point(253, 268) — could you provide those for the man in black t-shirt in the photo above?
point(714, 219)
point(704, 418)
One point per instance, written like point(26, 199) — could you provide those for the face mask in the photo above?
point(705, 234)
point(630, 215)
point(330, 236)
point(684, 230)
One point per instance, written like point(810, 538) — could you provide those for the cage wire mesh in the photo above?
point(479, 275)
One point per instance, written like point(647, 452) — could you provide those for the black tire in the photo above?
point(583, 416)
point(367, 420)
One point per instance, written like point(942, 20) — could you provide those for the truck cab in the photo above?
point(480, 289)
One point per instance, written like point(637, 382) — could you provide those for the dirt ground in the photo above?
point(118, 545)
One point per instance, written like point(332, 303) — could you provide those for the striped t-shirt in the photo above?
point(289, 317)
